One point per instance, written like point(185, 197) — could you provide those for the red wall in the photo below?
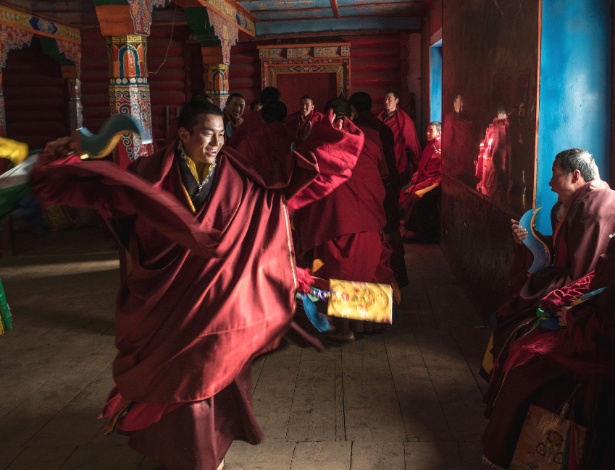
point(35, 97)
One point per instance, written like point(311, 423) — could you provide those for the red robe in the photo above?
point(406, 138)
point(426, 178)
point(493, 163)
point(301, 128)
point(580, 238)
point(345, 228)
point(544, 366)
point(199, 301)
point(251, 123)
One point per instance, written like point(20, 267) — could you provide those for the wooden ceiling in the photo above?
point(272, 17)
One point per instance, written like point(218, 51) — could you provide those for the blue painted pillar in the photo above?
point(575, 89)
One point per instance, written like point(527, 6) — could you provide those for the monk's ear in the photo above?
point(576, 176)
point(183, 134)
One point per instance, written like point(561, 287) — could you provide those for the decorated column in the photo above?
point(126, 25)
point(216, 34)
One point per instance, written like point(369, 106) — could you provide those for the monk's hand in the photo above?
point(562, 316)
point(57, 149)
point(338, 123)
point(519, 233)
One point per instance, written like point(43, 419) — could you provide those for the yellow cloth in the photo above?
point(192, 167)
point(423, 191)
point(15, 151)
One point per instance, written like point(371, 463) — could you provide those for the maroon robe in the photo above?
point(406, 139)
point(300, 128)
point(345, 229)
point(199, 302)
point(544, 367)
point(493, 163)
point(426, 178)
point(251, 123)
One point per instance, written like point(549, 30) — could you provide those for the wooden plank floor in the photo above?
point(409, 398)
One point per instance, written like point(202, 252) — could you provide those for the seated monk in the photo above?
point(419, 200)
point(586, 218)
point(547, 367)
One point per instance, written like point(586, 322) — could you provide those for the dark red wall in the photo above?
point(35, 97)
point(490, 64)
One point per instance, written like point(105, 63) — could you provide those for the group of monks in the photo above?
point(553, 343)
point(220, 229)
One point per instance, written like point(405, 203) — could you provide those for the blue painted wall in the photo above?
point(435, 82)
point(575, 84)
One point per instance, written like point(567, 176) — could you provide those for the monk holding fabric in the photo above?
point(345, 229)
point(210, 283)
point(586, 218)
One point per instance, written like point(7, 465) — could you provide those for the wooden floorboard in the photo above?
point(409, 398)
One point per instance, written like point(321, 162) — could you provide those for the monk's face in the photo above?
point(307, 106)
point(564, 184)
point(432, 133)
point(235, 108)
point(390, 102)
point(205, 141)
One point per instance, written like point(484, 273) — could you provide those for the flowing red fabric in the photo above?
point(353, 207)
point(406, 138)
point(336, 153)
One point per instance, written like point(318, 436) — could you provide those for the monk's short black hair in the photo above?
point(193, 108)
point(361, 101)
point(339, 105)
point(274, 111)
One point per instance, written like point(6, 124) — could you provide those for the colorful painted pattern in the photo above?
point(128, 56)
point(34, 25)
point(133, 100)
point(306, 58)
point(226, 31)
point(12, 38)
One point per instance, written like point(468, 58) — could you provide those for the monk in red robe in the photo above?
point(253, 121)
point(345, 229)
point(361, 107)
point(210, 284)
point(586, 218)
point(544, 367)
point(407, 145)
point(233, 112)
point(420, 200)
point(300, 124)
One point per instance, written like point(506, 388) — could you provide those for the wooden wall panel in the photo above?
point(376, 64)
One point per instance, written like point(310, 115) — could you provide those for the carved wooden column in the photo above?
point(126, 25)
point(216, 34)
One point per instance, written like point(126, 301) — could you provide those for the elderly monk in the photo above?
point(586, 218)
point(210, 285)
point(546, 367)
